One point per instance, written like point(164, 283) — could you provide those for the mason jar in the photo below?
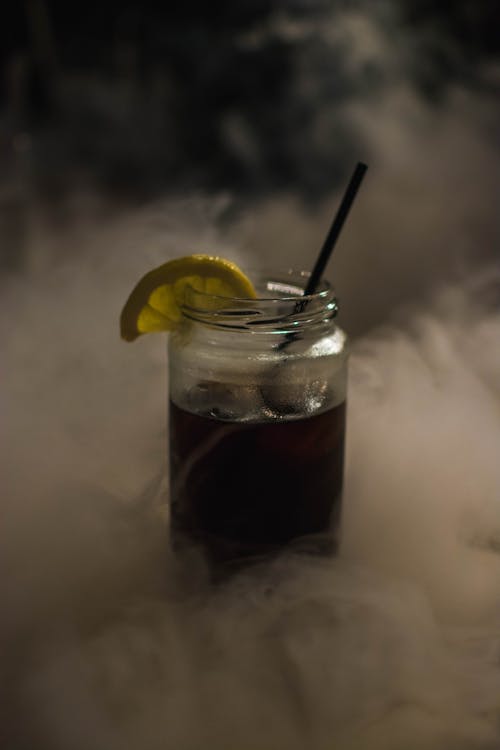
point(257, 416)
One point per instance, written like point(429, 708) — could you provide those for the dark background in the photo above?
point(139, 98)
point(254, 114)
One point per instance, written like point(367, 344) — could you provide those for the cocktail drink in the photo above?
point(257, 420)
point(257, 393)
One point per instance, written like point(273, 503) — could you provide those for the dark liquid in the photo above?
point(247, 489)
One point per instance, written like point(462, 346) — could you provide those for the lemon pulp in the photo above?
point(154, 303)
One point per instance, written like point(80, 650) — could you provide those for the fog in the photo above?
point(108, 642)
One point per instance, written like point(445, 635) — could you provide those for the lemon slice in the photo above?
point(153, 304)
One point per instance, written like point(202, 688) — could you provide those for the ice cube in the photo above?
point(283, 398)
point(226, 401)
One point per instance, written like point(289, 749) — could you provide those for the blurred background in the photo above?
point(136, 99)
point(263, 107)
point(134, 132)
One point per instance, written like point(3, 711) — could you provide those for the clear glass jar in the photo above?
point(257, 420)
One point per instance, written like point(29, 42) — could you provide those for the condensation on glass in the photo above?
point(257, 414)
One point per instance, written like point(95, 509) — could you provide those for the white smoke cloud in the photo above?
point(392, 644)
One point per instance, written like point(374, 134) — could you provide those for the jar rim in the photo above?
point(289, 308)
point(291, 291)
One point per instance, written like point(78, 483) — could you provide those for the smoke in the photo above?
point(108, 642)
point(394, 644)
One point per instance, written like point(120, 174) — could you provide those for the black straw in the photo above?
point(335, 229)
point(329, 243)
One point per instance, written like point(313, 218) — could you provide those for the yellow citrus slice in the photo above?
point(154, 303)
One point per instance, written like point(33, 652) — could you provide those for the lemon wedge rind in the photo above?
point(154, 303)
